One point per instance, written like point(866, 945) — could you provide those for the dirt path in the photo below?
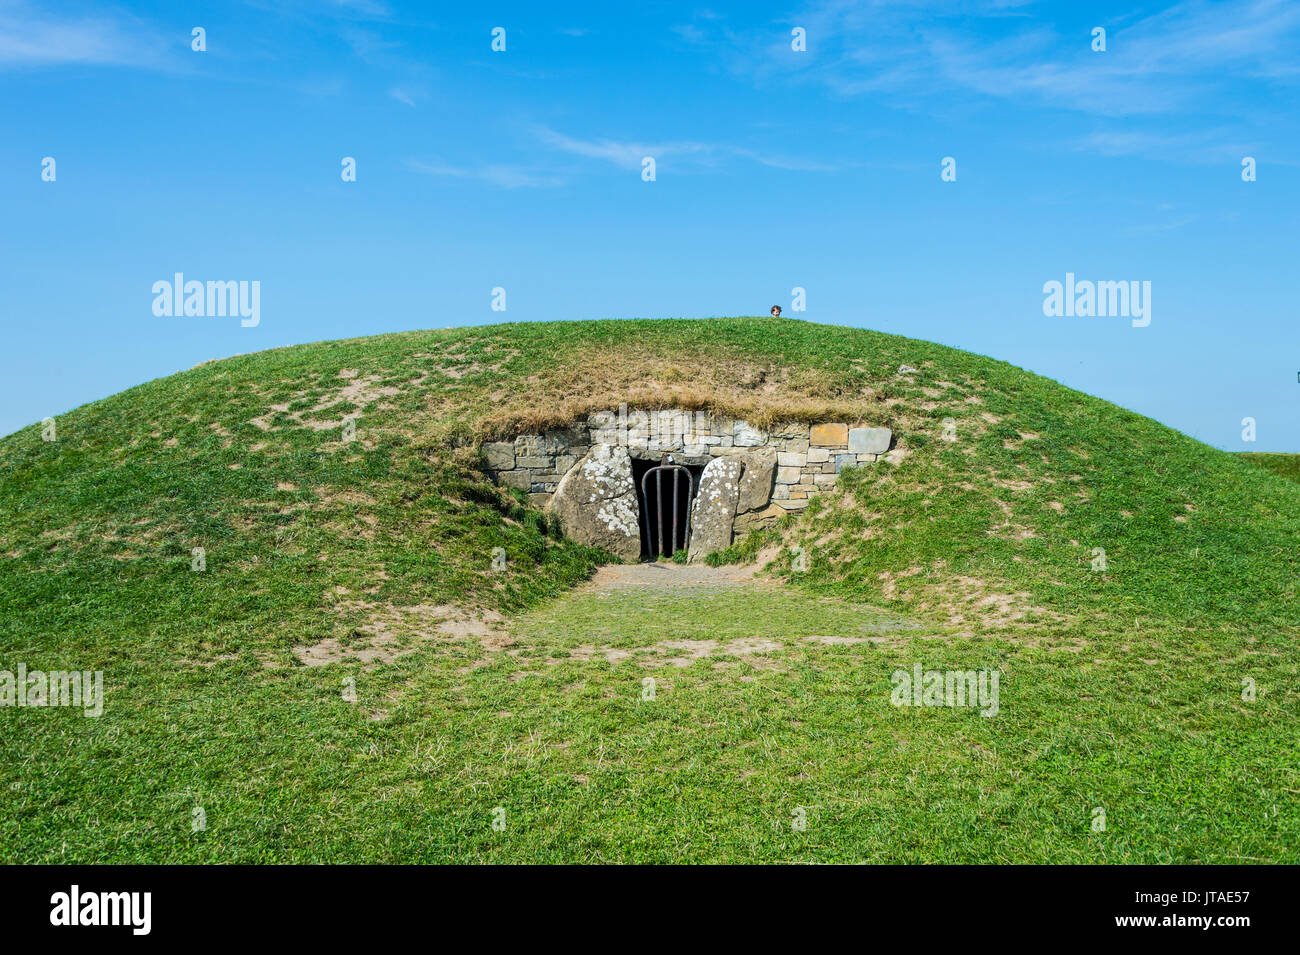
point(667, 614)
point(672, 576)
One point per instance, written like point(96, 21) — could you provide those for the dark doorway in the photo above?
point(664, 500)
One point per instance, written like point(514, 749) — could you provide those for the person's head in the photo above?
point(776, 311)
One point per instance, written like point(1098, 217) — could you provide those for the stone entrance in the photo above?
point(666, 493)
point(748, 477)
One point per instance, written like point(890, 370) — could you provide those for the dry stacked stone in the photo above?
point(782, 468)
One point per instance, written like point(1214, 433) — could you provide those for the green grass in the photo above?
point(1122, 688)
point(1285, 465)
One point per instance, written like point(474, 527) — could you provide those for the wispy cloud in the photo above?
point(498, 174)
point(403, 95)
point(793, 164)
point(1207, 146)
point(625, 154)
point(924, 49)
point(407, 78)
point(1155, 228)
point(32, 38)
point(373, 9)
point(629, 154)
point(371, 47)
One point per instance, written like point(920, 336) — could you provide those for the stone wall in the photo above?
point(775, 471)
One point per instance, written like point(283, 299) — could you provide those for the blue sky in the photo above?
point(774, 168)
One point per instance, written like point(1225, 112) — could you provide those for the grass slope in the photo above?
point(1286, 465)
point(1122, 688)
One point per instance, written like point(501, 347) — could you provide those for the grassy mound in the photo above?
point(1287, 465)
point(372, 554)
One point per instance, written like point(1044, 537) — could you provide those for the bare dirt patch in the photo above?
point(972, 599)
point(358, 391)
point(967, 600)
point(831, 640)
point(389, 632)
point(681, 653)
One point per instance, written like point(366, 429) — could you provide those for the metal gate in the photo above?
point(658, 544)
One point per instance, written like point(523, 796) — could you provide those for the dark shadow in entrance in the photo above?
point(657, 503)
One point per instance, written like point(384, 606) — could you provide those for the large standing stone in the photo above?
point(715, 506)
point(756, 482)
point(596, 505)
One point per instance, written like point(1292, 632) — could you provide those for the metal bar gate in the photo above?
point(657, 544)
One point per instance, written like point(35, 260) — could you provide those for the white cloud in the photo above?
point(29, 38)
point(1171, 61)
point(402, 95)
point(1205, 146)
point(497, 174)
point(628, 155)
point(625, 154)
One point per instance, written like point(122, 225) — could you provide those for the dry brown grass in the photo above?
point(763, 395)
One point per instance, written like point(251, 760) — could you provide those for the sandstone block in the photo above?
point(829, 435)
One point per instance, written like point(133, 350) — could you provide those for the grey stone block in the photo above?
point(500, 455)
point(791, 431)
point(747, 436)
point(869, 440)
point(756, 482)
point(520, 479)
